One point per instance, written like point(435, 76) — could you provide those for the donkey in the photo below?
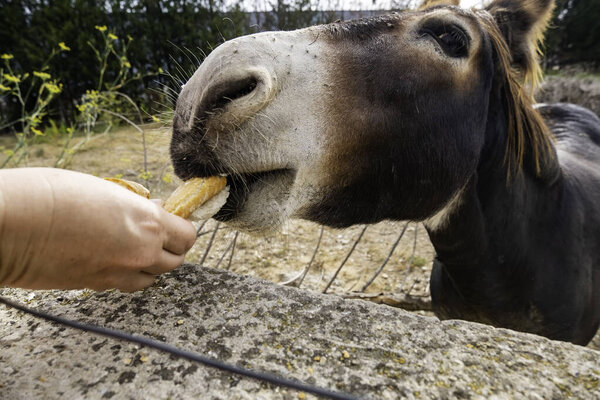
point(427, 116)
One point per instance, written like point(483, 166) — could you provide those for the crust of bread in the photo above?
point(193, 194)
point(132, 186)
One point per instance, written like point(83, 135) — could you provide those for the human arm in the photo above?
point(65, 230)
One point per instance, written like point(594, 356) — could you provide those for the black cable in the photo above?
point(261, 376)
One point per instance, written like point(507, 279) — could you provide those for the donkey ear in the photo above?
point(523, 23)
point(431, 3)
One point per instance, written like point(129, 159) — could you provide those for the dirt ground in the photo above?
point(280, 257)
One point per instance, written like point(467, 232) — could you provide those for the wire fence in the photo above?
point(389, 262)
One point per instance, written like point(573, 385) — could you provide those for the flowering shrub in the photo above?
point(42, 87)
point(105, 102)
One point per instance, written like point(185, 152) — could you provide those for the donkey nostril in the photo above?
point(222, 94)
point(230, 95)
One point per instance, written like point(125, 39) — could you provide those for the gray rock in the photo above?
point(369, 350)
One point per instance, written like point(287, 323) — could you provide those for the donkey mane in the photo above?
point(526, 129)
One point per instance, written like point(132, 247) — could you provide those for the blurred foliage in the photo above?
point(574, 36)
point(157, 33)
point(175, 35)
point(32, 92)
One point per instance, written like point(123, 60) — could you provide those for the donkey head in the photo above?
point(360, 121)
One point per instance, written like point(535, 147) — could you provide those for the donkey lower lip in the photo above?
point(242, 186)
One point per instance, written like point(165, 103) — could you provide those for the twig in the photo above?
point(376, 274)
point(312, 258)
point(124, 118)
point(232, 250)
point(207, 232)
point(294, 281)
point(404, 301)
point(135, 106)
point(412, 256)
point(411, 287)
point(224, 253)
point(410, 260)
point(136, 126)
point(200, 228)
point(210, 243)
point(345, 259)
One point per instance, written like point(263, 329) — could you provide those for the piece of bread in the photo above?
point(188, 197)
point(132, 186)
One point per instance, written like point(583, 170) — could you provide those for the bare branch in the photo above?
point(345, 259)
point(376, 274)
point(410, 260)
point(210, 243)
point(225, 252)
point(200, 228)
point(404, 301)
point(232, 250)
point(312, 258)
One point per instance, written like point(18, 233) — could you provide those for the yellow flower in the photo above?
point(145, 175)
point(4, 88)
point(101, 28)
point(160, 70)
point(37, 132)
point(126, 64)
point(63, 46)
point(12, 78)
point(167, 178)
point(6, 56)
point(41, 75)
point(112, 36)
point(155, 118)
point(53, 87)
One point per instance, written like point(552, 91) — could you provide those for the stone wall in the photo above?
point(369, 350)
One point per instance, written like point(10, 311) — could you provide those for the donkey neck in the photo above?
point(490, 219)
point(457, 232)
point(488, 238)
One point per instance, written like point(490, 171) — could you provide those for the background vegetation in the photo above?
point(154, 45)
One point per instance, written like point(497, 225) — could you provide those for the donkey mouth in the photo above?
point(266, 188)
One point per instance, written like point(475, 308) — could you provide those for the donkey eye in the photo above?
point(453, 40)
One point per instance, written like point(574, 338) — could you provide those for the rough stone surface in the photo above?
point(369, 350)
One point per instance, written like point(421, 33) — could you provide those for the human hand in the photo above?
point(64, 230)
